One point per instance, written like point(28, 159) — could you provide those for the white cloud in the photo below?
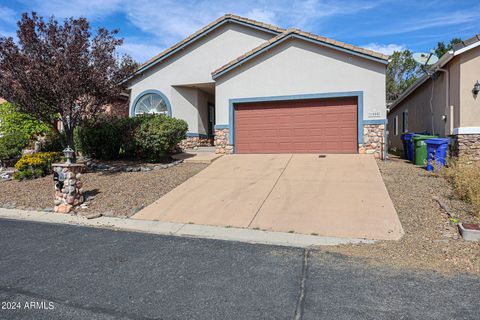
point(387, 49)
point(93, 9)
point(139, 51)
point(169, 21)
point(263, 15)
point(422, 23)
point(7, 15)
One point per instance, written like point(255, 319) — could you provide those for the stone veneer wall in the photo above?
point(373, 140)
point(466, 146)
point(221, 142)
point(195, 142)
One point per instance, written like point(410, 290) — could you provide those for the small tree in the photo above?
point(60, 71)
point(441, 48)
point(402, 71)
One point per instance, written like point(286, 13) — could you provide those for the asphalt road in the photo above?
point(67, 272)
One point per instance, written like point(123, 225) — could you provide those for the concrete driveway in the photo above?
point(338, 196)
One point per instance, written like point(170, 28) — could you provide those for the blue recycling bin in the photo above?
point(407, 145)
point(436, 152)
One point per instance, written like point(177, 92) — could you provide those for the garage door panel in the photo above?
point(306, 126)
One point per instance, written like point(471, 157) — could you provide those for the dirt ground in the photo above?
point(112, 194)
point(431, 241)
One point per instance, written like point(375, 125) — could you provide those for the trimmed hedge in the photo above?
point(146, 136)
point(159, 135)
point(36, 165)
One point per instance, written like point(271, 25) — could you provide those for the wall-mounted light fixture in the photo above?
point(476, 88)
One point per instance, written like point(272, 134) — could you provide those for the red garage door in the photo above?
point(300, 126)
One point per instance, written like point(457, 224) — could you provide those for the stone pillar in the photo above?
point(373, 140)
point(68, 187)
point(221, 142)
point(466, 146)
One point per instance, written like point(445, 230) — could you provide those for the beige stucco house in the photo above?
point(444, 103)
point(250, 87)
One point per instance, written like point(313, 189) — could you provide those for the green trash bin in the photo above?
point(420, 158)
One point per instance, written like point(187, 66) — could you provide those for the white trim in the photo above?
point(473, 45)
point(466, 130)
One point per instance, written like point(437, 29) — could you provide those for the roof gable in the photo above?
point(295, 33)
point(227, 18)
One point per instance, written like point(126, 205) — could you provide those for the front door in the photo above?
point(211, 120)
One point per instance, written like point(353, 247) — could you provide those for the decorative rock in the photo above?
point(93, 215)
point(69, 196)
point(70, 199)
point(63, 208)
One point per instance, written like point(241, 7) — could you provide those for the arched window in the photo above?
point(151, 103)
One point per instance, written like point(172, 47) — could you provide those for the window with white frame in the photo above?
point(151, 103)
point(405, 121)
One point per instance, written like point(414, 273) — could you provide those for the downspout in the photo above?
point(447, 96)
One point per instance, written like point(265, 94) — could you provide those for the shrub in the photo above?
point(108, 138)
point(159, 135)
point(35, 165)
point(12, 144)
point(52, 142)
point(465, 179)
point(100, 140)
point(13, 121)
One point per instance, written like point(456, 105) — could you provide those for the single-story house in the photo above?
point(250, 87)
point(444, 103)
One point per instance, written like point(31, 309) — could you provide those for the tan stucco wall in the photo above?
point(299, 67)
point(462, 109)
point(421, 116)
point(469, 74)
point(194, 65)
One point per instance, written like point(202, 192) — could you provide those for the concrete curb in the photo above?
point(182, 230)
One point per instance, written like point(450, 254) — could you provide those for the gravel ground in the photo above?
point(430, 240)
point(114, 194)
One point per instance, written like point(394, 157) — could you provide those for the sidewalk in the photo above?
point(181, 230)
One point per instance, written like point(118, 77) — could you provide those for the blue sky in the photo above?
point(148, 27)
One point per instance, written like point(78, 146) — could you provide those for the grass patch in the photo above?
point(464, 176)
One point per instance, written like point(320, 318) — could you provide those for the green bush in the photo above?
point(35, 165)
point(147, 136)
point(13, 121)
point(52, 142)
point(100, 140)
point(12, 144)
point(159, 135)
point(108, 138)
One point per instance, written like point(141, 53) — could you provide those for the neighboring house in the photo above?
point(444, 104)
point(251, 87)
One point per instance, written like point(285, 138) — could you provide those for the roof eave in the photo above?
point(444, 60)
point(215, 26)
